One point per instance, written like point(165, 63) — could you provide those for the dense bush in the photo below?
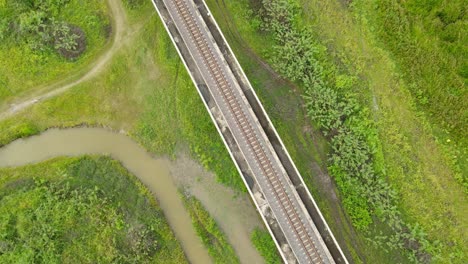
point(42, 42)
point(366, 196)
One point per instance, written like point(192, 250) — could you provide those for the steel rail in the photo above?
point(248, 133)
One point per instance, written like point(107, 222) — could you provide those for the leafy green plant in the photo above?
point(15, 130)
point(36, 25)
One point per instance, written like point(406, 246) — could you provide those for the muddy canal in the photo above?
point(159, 175)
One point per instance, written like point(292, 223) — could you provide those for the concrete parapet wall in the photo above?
point(220, 123)
point(229, 141)
point(273, 136)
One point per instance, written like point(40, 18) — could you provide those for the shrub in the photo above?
point(36, 24)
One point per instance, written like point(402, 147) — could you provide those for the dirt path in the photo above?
point(120, 29)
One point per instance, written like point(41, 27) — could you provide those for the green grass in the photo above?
point(267, 248)
point(427, 40)
point(23, 68)
point(144, 91)
point(411, 30)
point(86, 210)
point(212, 237)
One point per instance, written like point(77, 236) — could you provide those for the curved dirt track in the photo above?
point(120, 28)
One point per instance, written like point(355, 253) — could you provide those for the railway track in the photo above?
point(249, 134)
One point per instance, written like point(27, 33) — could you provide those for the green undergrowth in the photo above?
point(81, 210)
point(266, 246)
point(211, 235)
point(360, 102)
point(420, 162)
point(30, 57)
point(410, 31)
point(144, 91)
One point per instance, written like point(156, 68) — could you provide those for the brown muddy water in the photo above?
point(235, 215)
point(154, 173)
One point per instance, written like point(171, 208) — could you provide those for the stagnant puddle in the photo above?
point(236, 216)
point(154, 173)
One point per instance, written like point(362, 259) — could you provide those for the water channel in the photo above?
point(161, 176)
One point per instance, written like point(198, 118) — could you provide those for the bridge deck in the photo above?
point(293, 219)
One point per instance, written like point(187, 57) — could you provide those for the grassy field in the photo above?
point(410, 31)
point(84, 210)
point(146, 92)
point(25, 66)
point(419, 161)
point(212, 237)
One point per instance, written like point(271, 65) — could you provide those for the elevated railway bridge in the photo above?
point(250, 147)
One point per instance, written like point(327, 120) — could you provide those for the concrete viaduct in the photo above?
point(277, 189)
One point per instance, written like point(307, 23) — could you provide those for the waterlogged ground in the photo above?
point(236, 215)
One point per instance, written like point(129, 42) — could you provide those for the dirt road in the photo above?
point(120, 31)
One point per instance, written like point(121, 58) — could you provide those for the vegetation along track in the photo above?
point(265, 164)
